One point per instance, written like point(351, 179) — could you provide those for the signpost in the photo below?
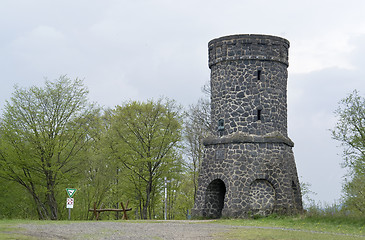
point(70, 200)
point(70, 203)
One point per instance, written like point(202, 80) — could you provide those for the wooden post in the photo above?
point(96, 213)
point(125, 217)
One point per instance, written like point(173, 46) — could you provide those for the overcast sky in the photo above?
point(140, 49)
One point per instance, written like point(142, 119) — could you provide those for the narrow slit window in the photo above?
point(220, 125)
point(259, 114)
point(258, 74)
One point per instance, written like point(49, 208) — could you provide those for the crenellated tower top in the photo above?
point(248, 47)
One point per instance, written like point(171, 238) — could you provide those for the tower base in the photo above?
point(246, 175)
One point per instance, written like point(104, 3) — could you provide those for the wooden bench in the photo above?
point(124, 210)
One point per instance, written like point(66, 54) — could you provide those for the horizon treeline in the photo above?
point(53, 138)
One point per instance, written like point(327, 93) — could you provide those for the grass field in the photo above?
point(296, 228)
point(7, 230)
point(300, 227)
point(271, 234)
point(340, 225)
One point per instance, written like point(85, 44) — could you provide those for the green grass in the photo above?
point(273, 234)
point(312, 227)
point(8, 231)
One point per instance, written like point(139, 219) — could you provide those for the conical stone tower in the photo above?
point(248, 166)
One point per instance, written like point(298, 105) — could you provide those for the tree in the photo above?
point(42, 133)
point(355, 193)
point(15, 202)
point(350, 131)
point(145, 137)
point(197, 127)
point(182, 196)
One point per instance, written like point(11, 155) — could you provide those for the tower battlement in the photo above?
point(248, 47)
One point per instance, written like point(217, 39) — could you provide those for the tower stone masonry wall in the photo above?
point(248, 166)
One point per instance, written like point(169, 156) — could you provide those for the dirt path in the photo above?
point(123, 230)
point(157, 230)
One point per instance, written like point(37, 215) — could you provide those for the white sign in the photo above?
point(70, 203)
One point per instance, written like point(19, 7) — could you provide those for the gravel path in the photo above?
point(124, 230)
point(157, 230)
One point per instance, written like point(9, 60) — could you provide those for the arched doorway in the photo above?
point(262, 197)
point(214, 199)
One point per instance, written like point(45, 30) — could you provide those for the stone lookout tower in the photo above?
point(248, 166)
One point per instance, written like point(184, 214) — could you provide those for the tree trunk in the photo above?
point(41, 209)
point(195, 178)
point(148, 198)
point(52, 204)
point(51, 200)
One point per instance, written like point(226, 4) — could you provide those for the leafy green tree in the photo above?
point(43, 131)
point(197, 127)
point(355, 193)
point(101, 182)
point(181, 196)
point(350, 131)
point(15, 203)
point(145, 138)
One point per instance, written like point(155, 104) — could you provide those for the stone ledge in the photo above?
point(274, 137)
point(249, 57)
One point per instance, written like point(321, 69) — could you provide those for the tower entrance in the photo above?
point(214, 199)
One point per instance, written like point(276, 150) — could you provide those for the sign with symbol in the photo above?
point(70, 191)
point(70, 203)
